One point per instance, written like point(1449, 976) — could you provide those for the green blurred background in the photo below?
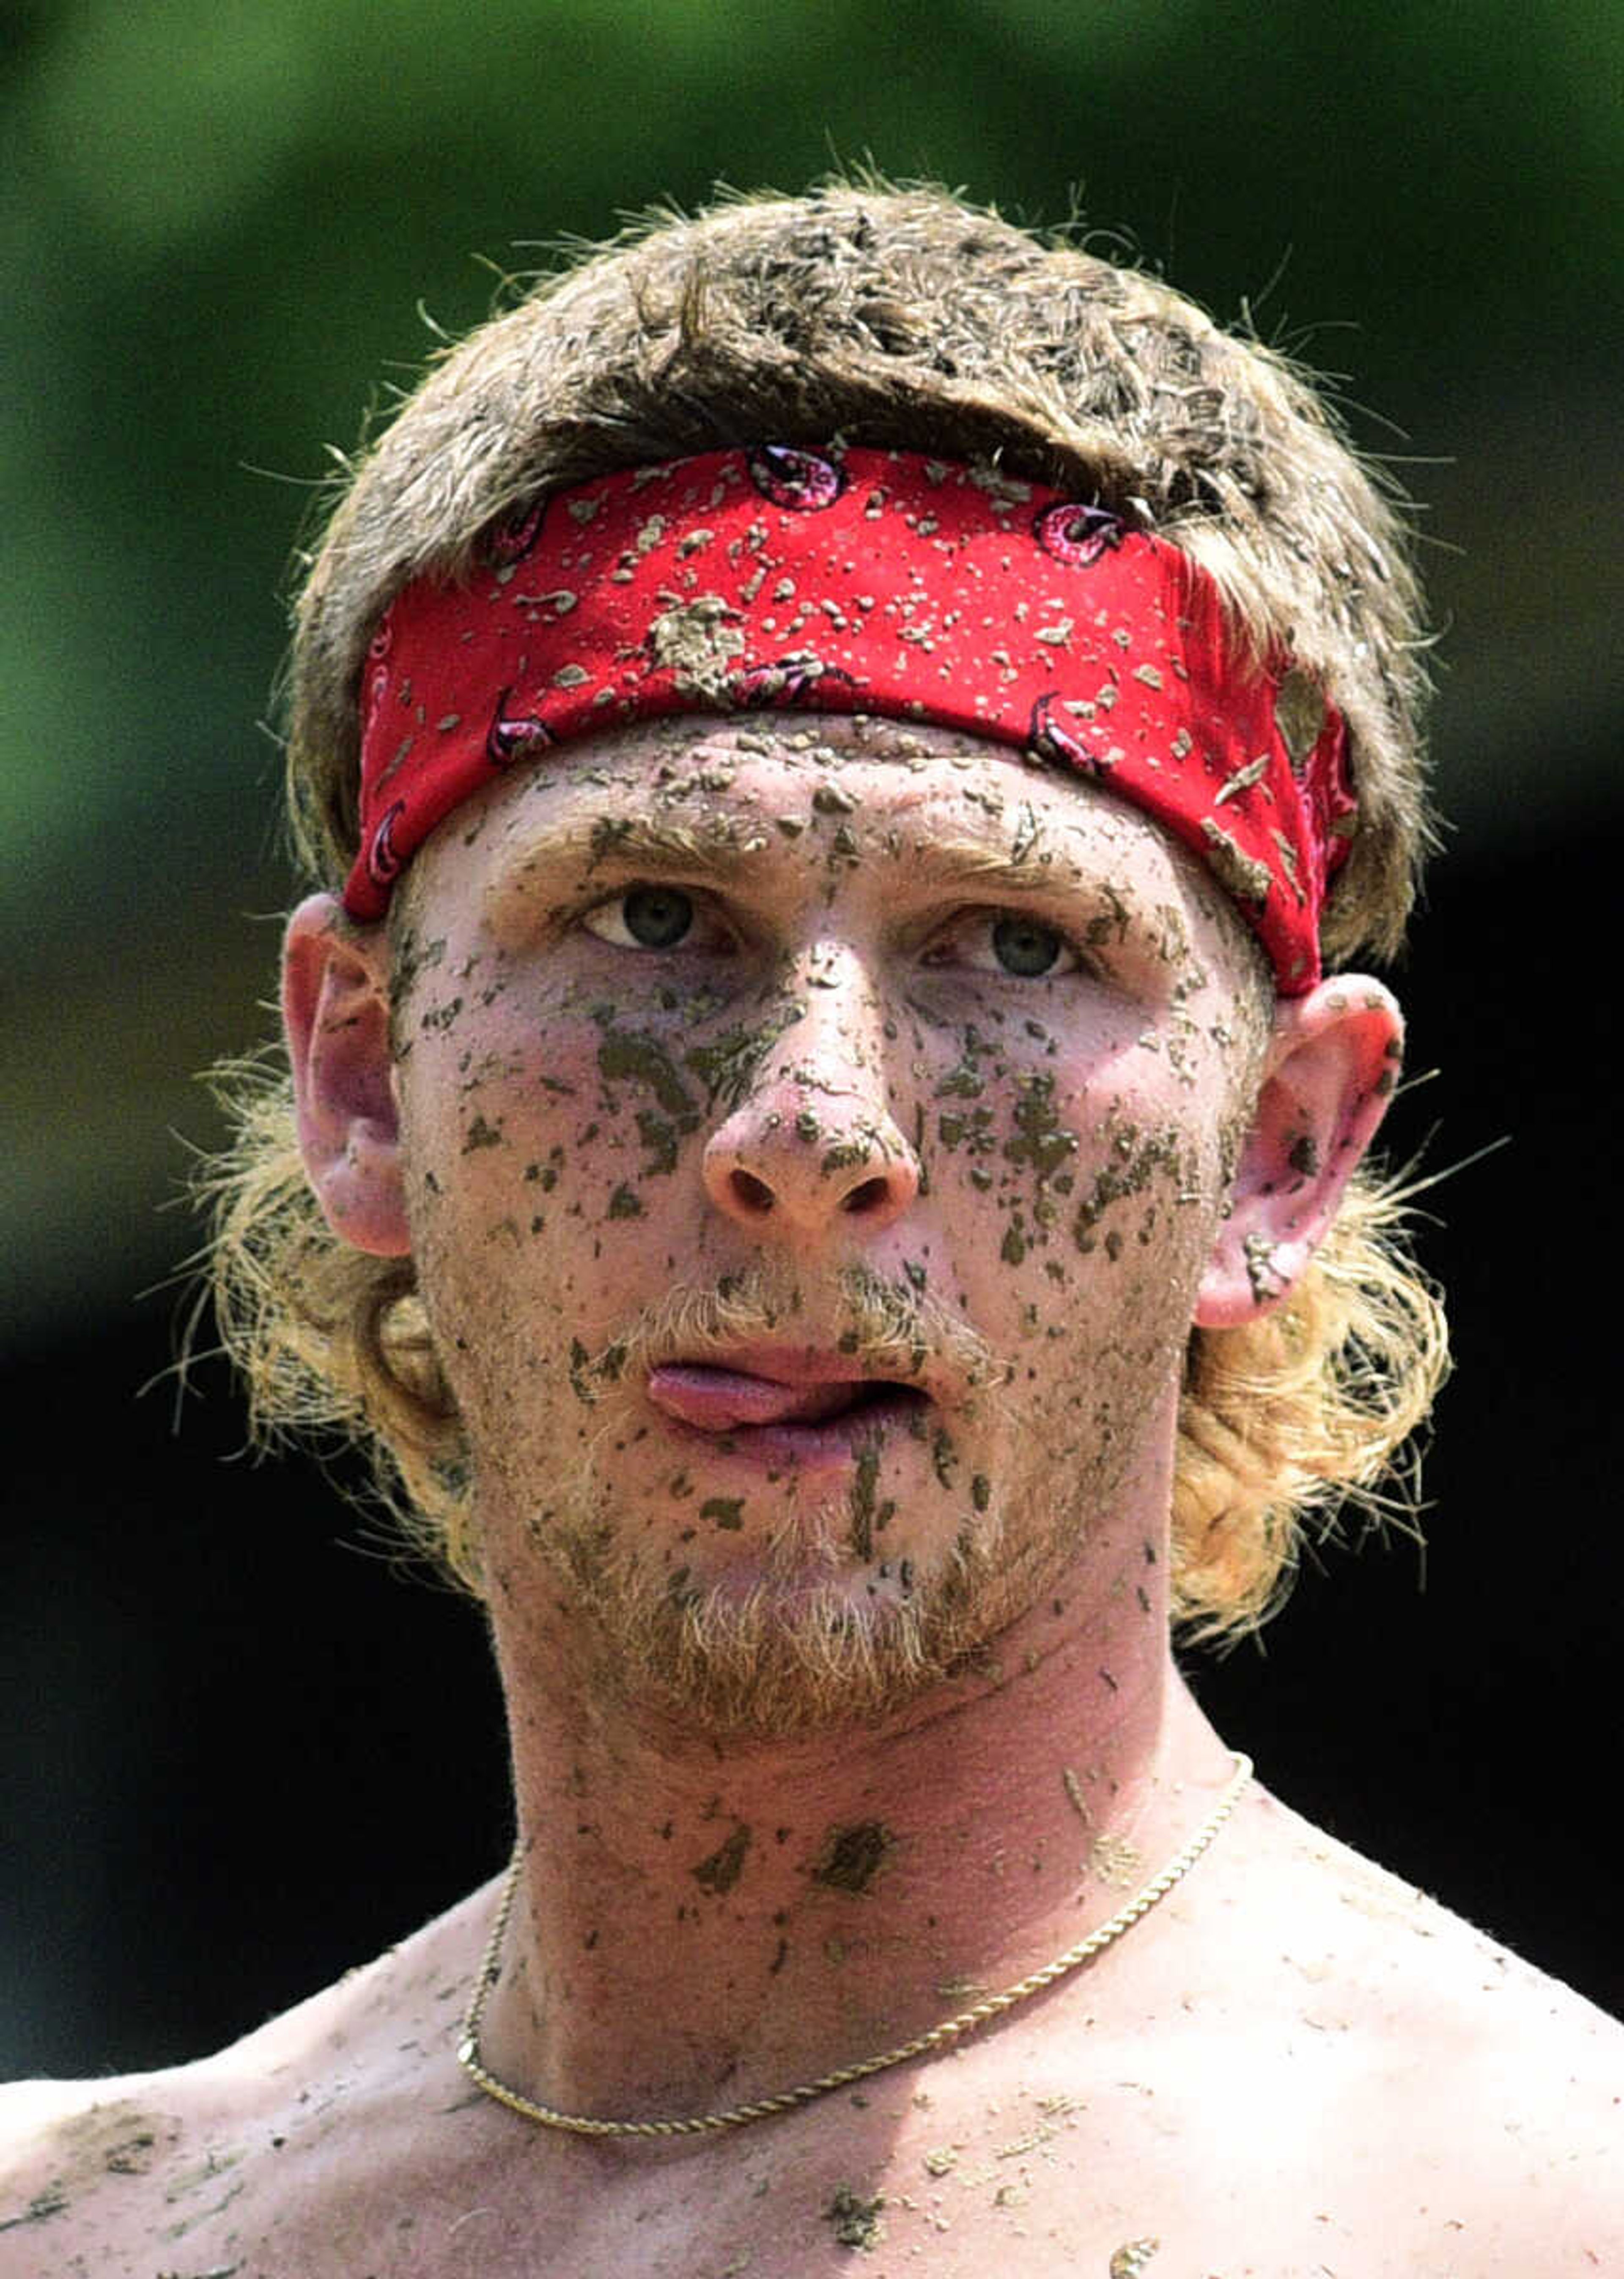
point(229, 225)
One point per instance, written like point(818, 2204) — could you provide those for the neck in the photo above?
point(698, 1924)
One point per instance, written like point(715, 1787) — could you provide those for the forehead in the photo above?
point(855, 771)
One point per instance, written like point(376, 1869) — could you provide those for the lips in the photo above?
point(817, 1423)
point(716, 1399)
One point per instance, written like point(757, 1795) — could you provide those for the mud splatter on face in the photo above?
point(1136, 1162)
point(863, 1503)
point(644, 1059)
point(727, 1066)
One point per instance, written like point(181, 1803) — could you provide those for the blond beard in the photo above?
point(780, 1657)
point(805, 1644)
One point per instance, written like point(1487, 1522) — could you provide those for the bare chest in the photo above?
point(1273, 2166)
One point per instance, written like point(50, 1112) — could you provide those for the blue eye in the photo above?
point(1025, 947)
point(643, 917)
point(658, 916)
point(1006, 942)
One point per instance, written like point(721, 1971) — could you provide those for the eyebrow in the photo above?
point(726, 851)
point(953, 862)
point(586, 842)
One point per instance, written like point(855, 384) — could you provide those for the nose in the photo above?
point(812, 1148)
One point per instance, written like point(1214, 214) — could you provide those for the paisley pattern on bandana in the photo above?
point(383, 863)
point(511, 739)
point(802, 482)
point(803, 678)
point(1053, 735)
point(509, 541)
point(1076, 534)
point(861, 581)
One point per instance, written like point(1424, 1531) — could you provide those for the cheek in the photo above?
point(537, 1128)
point(1073, 1181)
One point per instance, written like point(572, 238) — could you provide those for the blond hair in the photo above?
point(902, 317)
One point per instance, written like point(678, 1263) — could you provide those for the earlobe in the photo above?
point(1332, 1066)
point(335, 1012)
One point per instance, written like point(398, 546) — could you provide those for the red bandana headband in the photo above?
point(873, 582)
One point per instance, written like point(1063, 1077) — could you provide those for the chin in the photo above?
point(778, 1654)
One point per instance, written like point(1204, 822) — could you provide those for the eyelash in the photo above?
point(989, 914)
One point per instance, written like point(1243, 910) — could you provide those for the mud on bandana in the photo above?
point(872, 582)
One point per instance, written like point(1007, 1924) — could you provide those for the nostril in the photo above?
point(754, 1194)
point(868, 1197)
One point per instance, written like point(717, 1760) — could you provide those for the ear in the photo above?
point(335, 1011)
point(1332, 1064)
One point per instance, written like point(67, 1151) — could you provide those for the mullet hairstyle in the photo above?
point(894, 318)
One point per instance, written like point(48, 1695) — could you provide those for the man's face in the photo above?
point(815, 1134)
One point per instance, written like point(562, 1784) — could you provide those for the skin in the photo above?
point(864, 997)
point(751, 1855)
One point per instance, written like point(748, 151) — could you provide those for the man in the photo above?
point(844, 750)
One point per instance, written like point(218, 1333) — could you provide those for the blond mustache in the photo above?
point(888, 1328)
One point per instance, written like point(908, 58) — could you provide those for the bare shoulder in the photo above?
point(1366, 1924)
point(128, 2174)
point(65, 2150)
point(1481, 2078)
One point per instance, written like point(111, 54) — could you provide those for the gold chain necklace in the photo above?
point(581, 2125)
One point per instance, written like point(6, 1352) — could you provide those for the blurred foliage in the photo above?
point(218, 219)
